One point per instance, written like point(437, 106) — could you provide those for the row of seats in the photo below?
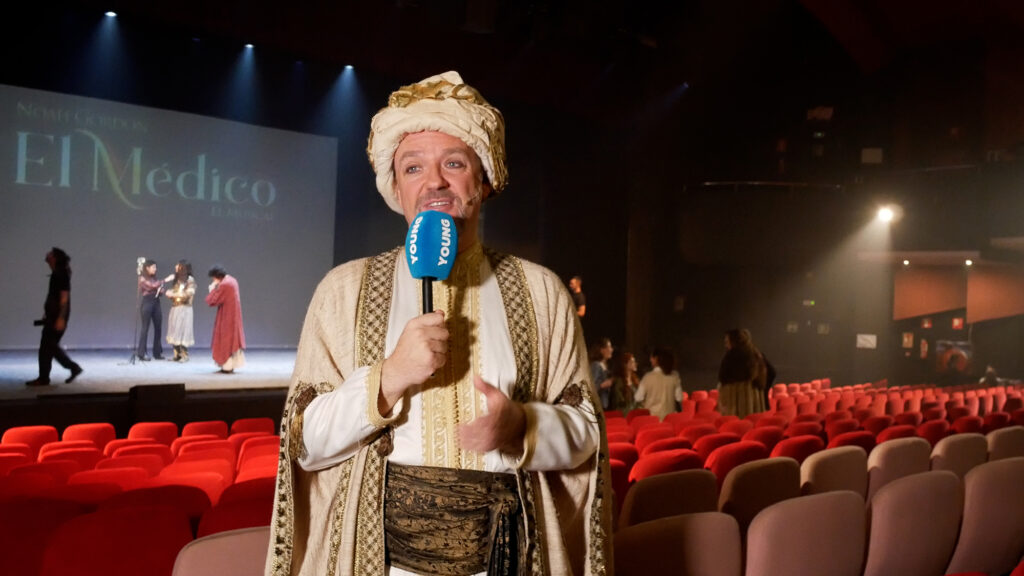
point(135, 532)
point(862, 468)
point(926, 523)
point(145, 498)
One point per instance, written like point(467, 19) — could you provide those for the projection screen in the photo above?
point(111, 183)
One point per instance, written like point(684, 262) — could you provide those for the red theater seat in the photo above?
point(235, 515)
point(674, 443)
point(933, 431)
point(968, 424)
point(162, 432)
point(708, 444)
point(995, 421)
point(767, 435)
point(694, 432)
point(26, 525)
point(100, 433)
point(625, 452)
point(798, 447)
point(33, 436)
point(115, 542)
point(661, 462)
point(897, 431)
point(218, 428)
point(261, 424)
point(648, 435)
point(862, 438)
point(727, 457)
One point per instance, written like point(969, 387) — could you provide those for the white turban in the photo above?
point(442, 103)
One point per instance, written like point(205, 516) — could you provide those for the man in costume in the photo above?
point(460, 441)
point(228, 343)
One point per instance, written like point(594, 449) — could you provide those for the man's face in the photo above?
point(51, 259)
point(574, 284)
point(435, 171)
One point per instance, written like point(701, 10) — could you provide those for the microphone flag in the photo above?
point(431, 244)
point(430, 248)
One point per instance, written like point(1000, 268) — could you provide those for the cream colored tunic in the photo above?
point(659, 392)
point(331, 427)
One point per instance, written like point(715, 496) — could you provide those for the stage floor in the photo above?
point(110, 371)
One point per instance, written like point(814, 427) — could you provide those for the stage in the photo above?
point(114, 389)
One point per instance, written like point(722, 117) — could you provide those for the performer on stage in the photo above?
point(56, 311)
point(228, 345)
point(149, 291)
point(466, 440)
point(180, 333)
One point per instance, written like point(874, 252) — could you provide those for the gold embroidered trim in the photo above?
point(338, 504)
point(449, 398)
point(530, 438)
point(373, 313)
point(377, 419)
point(522, 326)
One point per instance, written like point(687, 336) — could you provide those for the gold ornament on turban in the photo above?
point(442, 103)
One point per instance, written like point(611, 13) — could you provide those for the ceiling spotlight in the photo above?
point(906, 262)
point(248, 46)
point(348, 66)
point(886, 214)
point(111, 14)
point(968, 262)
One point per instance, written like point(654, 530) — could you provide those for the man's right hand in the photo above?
point(421, 350)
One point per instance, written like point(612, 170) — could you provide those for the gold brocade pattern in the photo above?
point(522, 326)
point(449, 398)
point(372, 315)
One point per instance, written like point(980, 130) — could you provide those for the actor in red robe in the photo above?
point(228, 343)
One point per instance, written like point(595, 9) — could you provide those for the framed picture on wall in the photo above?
point(908, 339)
point(926, 323)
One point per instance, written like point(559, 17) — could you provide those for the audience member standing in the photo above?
point(741, 376)
point(228, 345)
point(624, 383)
point(149, 291)
point(56, 311)
point(600, 375)
point(661, 388)
point(180, 331)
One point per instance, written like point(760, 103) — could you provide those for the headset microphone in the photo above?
point(430, 248)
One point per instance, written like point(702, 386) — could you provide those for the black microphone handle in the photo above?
point(428, 294)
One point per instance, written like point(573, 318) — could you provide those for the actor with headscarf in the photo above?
point(228, 343)
point(461, 441)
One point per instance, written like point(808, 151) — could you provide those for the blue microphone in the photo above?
point(430, 248)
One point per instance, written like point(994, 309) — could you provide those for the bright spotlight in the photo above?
point(348, 67)
point(111, 14)
point(968, 262)
point(248, 46)
point(885, 214)
point(906, 262)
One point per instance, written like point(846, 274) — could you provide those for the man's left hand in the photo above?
point(503, 427)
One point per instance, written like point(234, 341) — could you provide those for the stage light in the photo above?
point(248, 46)
point(348, 66)
point(906, 262)
point(111, 14)
point(886, 214)
point(968, 262)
